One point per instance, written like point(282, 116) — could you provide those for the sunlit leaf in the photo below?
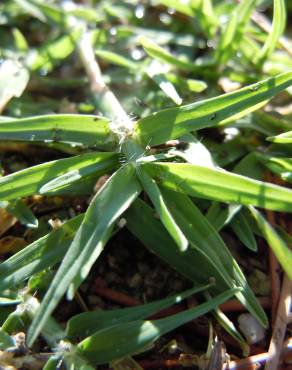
point(74, 129)
point(174, 122)
point(278, 245)
point(94, 232)
point(31, 180)
point(87, 323)
point(217, 184)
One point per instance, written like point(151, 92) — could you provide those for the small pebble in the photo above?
point(251, 328)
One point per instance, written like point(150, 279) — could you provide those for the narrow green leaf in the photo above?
point(278, 245)
point(6, 340)
point(23, 213)
point(231, 329)
point(74, 129)
point(220, 215)
point(39, 255)
point(171, 123)
point(156, 197)
point(279, 165)
point(108, 204)
point(285, 138)
point(194, 263)
point(117, 59)
point(186, 83)
point(194, 152)
point(31, 180)
point(157, 52)
point(87, 323)
point(160, 78)
point(110, 344)
point(217, 184)
point(234, 30)
point(241, 228)
point(53, 362)
point(278, 26)
point(202, 236)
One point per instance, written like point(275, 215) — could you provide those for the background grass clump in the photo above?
point(163, 123)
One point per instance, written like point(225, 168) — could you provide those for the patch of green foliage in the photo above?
point(172, 76)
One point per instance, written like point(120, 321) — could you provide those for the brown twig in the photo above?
point(280, 325)
point(235, 306)
point(113, 295)
point(274, 268)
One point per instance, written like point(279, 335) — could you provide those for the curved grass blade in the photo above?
point(53, 362)
point(87, 323)
point(234, 30)
point(117, 59)
point(220, 215)
point(231, 329)
point(194, 263)
point(281, 166)
point(6, 340)
point(202, 235)
point(156, 197)
point(32, 180)
point(172, 123)
point(217, 184)
point(74, 129)
point(278, 26)
point(285, 138)
point(39, 255)
point(110, 344)
point(22, 212)
point(109, 203)
point(242, 230)
point(278, 245)
point(157, 52)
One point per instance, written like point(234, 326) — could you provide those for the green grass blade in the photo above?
point(220, 215)
point(156, 197)
point(234, 31)
point(110, 344)
point(154, 72)
point(160, 54)
point(217, 184)
point(194, 263)
point(231, 329)
point(74, 129)
point(6, 340)
point(23, 213)
point(281, 166)
point(278, 26)
point(278, 245)
point(53, 362)
point(107, 205)
point(117, 59)
point(285, 138)
point(31, 180)
point(172, 123)
point(202, 235)
point(242, 230)
point(87, 323)
point(39, 255)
